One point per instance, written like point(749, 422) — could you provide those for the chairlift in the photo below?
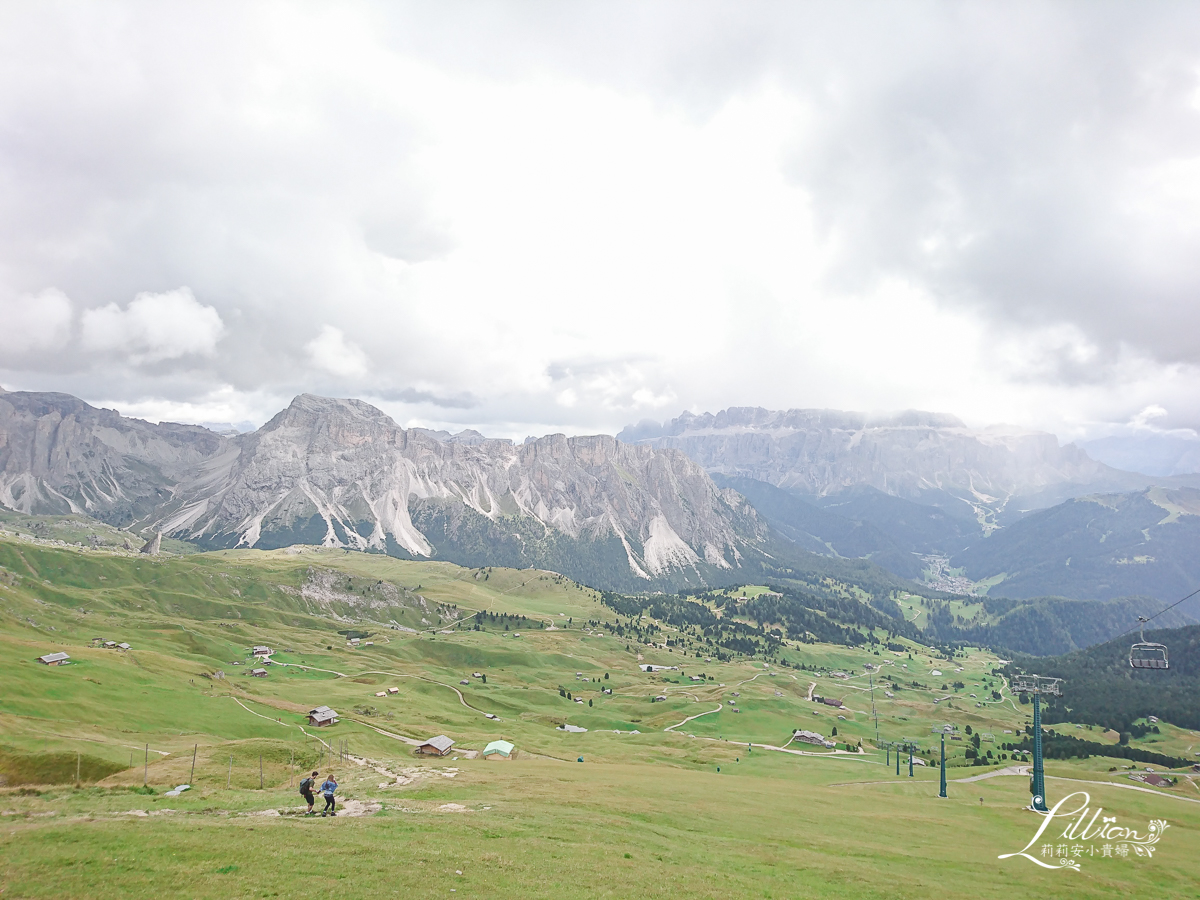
point(1145, 654)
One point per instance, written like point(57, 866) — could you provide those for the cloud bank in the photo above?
point(525, 217)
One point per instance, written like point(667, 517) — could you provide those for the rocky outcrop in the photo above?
point(59, 455)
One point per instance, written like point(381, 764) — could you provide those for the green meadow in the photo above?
point(703, 793)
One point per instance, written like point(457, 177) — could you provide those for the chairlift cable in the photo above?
point(1143, 624)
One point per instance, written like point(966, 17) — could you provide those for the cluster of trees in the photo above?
point(484, 618)
point(829, 613)
point(1038, 627)
point(1067, 746)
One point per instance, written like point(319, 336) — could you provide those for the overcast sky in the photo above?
point(533, 217)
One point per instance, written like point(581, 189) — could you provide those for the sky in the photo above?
point(536, 217)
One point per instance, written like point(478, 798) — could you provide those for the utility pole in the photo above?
point(192, 777)
point(942, 793)
point(1037, 685)
point(146, 770)
point(907, 744)
point(871, 681)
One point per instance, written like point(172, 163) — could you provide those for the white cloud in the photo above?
point(331, 351)
point(37, 322)
point(154, 327)
point(568, 222)
point(1148, 415)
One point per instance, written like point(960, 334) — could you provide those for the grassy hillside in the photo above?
point(647, 810)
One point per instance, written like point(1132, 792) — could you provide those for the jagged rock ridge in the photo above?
point(342, 473)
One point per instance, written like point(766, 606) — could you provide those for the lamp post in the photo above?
point(1036, 686)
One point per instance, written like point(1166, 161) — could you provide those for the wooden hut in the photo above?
point(435, 746)
point(322, 716)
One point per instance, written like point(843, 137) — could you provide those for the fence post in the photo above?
point(146, 771)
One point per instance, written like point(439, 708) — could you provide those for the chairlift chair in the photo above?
point(1146, 654)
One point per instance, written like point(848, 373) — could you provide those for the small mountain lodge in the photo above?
point(258, 673)
point(262, 651)
point(435, 746)
point(811, 737)
point(321, 716)
point(828, 701)
point(54, 659)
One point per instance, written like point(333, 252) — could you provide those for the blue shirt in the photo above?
point(329, 787)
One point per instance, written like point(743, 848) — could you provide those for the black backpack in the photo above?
point(306, 786)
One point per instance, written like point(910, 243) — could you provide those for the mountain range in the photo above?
point(918, 491)
point(992, 475)
point(342, 473)
point(701, 500)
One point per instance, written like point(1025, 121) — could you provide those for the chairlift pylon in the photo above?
point(1146, 654)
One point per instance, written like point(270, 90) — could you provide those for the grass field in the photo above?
point(646, 812)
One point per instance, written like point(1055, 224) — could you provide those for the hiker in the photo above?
point(306, 791)
point(327, 789)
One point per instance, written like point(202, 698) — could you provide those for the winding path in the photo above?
point(689, 718)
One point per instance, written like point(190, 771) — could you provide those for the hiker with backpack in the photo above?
point(327, 789)
point(306, 791)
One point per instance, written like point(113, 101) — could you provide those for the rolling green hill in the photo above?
point(703, 791)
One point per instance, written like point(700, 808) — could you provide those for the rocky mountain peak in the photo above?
point(312, 410)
